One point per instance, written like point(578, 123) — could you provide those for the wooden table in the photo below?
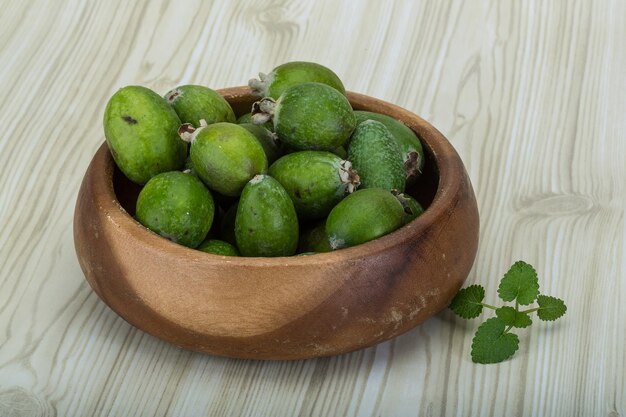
point(532, 95)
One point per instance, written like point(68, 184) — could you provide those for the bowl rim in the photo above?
point(448, 165)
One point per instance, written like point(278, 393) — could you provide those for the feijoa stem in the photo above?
point(259, 87)
point(263, 110)
point(188, 133)
point(412, 165)
point(403, 200)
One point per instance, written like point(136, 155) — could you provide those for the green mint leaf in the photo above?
point(491, 344)
point(550, 308)
point(512, 317)
point(467, 302)
point(519, 283)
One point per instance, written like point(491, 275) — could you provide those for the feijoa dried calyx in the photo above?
point(412, 208)
point(247, 118)
point(292, 73)
point(308, 116)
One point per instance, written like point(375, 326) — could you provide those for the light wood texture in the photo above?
point(533, 96)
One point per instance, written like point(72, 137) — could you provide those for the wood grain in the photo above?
point(532, 95)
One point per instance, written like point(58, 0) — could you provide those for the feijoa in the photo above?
point(375, 156)
point(314, 239)
point(141, 130)
point(315, 180)
point(308, 116)
point(363, 216)
point(408, 142)
point(226, 156)
point(340, 151)
point(193, 103)
point(245, 118)
point(292, 73)
point(267, 139)
point(266, 222)
point(218, 247)
point(177, 206)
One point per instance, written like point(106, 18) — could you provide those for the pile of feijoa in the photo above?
point(301, 173)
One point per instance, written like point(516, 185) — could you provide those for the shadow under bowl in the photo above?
point(287, 307)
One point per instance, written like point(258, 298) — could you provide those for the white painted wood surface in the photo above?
point(533, 96)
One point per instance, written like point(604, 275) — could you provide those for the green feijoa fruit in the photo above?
point(408, 142)
point(177, 206)
point(141, 131)
point(244, 118)
point(227, 225)
point(315, 180)
point(314, 239)
point(193, 103)
point(363, 216)
point(218, 247)
point(412, 208)
point(308, 116)
point(247, 118)
point(339, 151)
point(292, 73)
point(226, 156)
point(266, 222)
point(375, 156)
point(267, 139)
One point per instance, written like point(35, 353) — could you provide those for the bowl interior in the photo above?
point(423, 190)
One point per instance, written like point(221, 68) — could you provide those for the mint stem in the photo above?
point(507, 329)
point(531, 310)
point(489, 306)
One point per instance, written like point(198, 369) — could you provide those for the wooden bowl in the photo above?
point(288, 307)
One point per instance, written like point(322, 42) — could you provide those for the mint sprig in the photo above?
point(494, 342)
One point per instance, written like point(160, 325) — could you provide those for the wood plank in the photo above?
point(532, 95)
